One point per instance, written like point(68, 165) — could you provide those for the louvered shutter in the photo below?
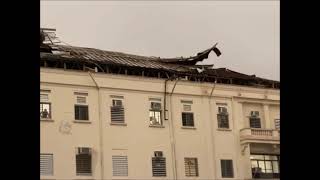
point(117, 112)
point(46, 164)
point(159, 166)
point(120, 165)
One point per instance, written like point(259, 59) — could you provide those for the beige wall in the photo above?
point(137, 140)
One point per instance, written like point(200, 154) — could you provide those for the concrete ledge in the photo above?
point(157, 126)
point(188, 127)
point(82, 121)
point(118, 124)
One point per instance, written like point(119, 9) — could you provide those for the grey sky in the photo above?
point(247, 31)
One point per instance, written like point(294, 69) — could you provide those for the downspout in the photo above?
point(100, 126)
point(172, 138)
point(211, 129)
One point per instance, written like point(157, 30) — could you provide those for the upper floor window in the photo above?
point(226, 168)
point(45, 107)
point(81, 110)
point(191, 166)
point(187, 114)
point(83, 161)
point(223, 117)
point(255, 121)
point(46, 164)
point(117, 110)
point(159, 164)
point(155, 112)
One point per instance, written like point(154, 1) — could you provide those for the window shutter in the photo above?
point(44, 97)
point(117, 111)
point(46, 164)
point(227, 168)
point(191, 166)
point(159, 166)
point(120, 165)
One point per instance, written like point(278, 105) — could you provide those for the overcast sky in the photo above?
point(247, 32)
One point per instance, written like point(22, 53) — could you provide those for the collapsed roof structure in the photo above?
point(54, 54)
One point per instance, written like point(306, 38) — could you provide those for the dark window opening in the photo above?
point(81, 112)
point(187, 119)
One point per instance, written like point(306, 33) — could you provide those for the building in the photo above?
point(110, 115)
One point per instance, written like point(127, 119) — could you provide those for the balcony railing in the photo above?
point(257, 134)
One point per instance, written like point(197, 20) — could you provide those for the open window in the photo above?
point(45, 107)
point(155, 113)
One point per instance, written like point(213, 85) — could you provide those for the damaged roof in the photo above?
point(179, 67)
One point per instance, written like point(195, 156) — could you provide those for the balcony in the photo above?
point(257, 135)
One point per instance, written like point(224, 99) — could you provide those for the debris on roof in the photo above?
point(54, 54)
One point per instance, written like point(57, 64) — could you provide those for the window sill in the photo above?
point(188, 127)
point(156, 126)
point(82, 121)
point(47, 120)
point(224, 129)
point(118, 124)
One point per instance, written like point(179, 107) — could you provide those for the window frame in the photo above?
point(121, 108)
point(264, 160)
point(196, 166)
point(50, 111)
point(81, 120)
point(185, 124)
point(91, 159)
point(223, 175)
point(161, 163)
point(222, 121)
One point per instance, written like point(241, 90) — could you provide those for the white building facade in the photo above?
point(118, 122)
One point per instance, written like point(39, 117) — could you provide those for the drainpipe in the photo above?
point(100, 126)
point(211, 129)
point(171, 128)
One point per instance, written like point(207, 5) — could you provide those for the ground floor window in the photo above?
point(265, 166)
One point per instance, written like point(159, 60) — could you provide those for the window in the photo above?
point(265, 166)
point(255, 119)
point(83, 161)
point(223, 117)
point(191, 166)
point(120, 165)
point(277, 124)
point(187, 119)
point(117, 111)
point(158, 164)
point(81, 112)
point(46, 164)
point(45, 107)
point(155, 113)
point(226, 169)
